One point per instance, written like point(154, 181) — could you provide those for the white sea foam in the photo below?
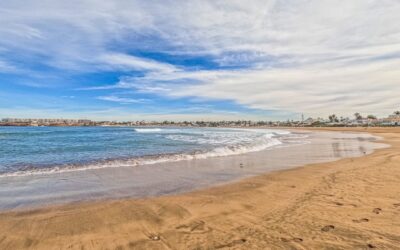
point(147, 130)
point(226, 143)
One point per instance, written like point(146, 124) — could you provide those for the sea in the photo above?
point(46, 150)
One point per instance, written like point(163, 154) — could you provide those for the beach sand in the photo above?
point(352, 203)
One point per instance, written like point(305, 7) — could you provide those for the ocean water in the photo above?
point(44, 150)
point(42, 166)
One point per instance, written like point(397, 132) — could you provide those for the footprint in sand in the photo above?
point(377, 210)
point(361, 220)
point(396, 204)
point(194, 227)
point(298, 240)
point(231, 244)
point(371, 246)
point(327, 228)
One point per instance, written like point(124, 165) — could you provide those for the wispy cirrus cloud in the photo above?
point(5, 67)
point(129, 62)
point(122, 100)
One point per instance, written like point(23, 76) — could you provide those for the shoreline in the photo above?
point(116, 182)
point(312, 206)
point(264, 143)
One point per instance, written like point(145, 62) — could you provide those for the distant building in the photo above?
point(44, 122)
point(393, 120)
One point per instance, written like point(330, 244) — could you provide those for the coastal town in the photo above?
point(358, 120)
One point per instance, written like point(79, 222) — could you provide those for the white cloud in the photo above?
point(5, 67)
point(314, 90)
point(122, 100)
point(129, 62)
point(316, 57)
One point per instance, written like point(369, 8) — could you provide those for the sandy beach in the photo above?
point(352, 203)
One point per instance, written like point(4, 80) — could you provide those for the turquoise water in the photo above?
point(39, 149)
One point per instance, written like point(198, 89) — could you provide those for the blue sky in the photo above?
point(203, 60)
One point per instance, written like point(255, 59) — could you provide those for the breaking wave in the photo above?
point(224, 145)
point(147, 130)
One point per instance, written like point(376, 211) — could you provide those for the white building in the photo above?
point(393, 120)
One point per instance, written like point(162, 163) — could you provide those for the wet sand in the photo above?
point(353, 203)
point(170, 178)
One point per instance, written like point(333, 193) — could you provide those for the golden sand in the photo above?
point(348, 204)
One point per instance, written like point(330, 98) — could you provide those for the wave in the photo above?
point(147, 130)
point(263, 142)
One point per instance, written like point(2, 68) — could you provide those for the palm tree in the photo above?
point(333, 118)
point(358, 116)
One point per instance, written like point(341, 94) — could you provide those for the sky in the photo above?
point(199, 60)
